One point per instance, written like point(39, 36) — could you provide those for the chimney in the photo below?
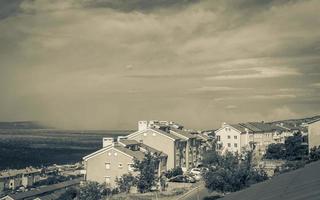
point(224, 124)
point(107, 141)
point(142, 125)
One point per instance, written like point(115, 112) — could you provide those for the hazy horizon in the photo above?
point(106, 64)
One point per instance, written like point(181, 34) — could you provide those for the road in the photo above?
point(197, 193)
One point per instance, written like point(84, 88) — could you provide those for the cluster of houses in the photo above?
point(176, 147)
point(179, 147)
point(12, 179)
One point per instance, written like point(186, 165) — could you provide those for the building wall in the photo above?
point(159, 142)
point(229, 138)
point(314, 134)
point(96, 166)
point(1, 185)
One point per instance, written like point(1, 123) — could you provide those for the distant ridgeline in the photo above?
point(22, 125)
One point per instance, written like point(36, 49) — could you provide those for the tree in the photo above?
point(229, 173)
point(174, 172)
point(276, 151)
point(292, 149)
point(125, 182)
point(70, 194)
point(146, 178)
point(91, 191)
point(295, 150)
point(314, 154)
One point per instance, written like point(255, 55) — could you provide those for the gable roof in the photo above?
point(299, 184)
point(153, 150)
point(15, 172)
point(185, 134)
point(128, 142)
point(135, 154)
point(255, 127)
point(168, 135)
point(313, 121)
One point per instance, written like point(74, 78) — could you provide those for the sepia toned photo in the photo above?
point(159, 99)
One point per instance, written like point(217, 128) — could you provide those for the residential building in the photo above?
point(183, 147)
point(52, 192)
point(250, 135)
point(116, 159)
point(12, 179)
point(314, 133)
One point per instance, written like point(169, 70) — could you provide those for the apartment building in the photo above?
point(250, 135)
point(314, 133)
point(183, 147)
point(116, 158)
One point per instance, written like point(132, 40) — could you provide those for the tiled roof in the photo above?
point(15, 172)
point(301, 184)
point(174, 137)
point(255, 127)
point(136, 154)
point(183, 133)
point(239, 127)
point(152, 150)
point(43, 190)
point(129, 142)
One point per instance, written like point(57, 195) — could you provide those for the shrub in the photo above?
point(174, 172)
point(125, 182)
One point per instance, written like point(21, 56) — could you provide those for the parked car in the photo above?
point(195, 171)
point(182, 179)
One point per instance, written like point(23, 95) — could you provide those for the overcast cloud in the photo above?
point(105, 64)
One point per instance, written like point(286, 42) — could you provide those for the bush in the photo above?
point(174, 172)
point(91, 191)
point(314, 154)
point(125, 182)
point(70, 194)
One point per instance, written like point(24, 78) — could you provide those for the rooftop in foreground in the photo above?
point(301, 184)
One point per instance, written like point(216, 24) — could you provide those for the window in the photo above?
point(108, 165)
point(218, 137)
point(235, 137)
point(229, 136)
point(120, 165)
point(108, 180)
point(130, 167)
point(235, 145)
point(229, 145)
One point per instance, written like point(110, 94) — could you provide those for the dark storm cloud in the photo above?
point(136, 5)
point(9, 7)
point(108, 63)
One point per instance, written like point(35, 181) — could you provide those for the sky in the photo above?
point(105, 64)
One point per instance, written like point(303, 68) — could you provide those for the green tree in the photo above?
point(125, 182)
point(147, 168)
point(91, 191)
